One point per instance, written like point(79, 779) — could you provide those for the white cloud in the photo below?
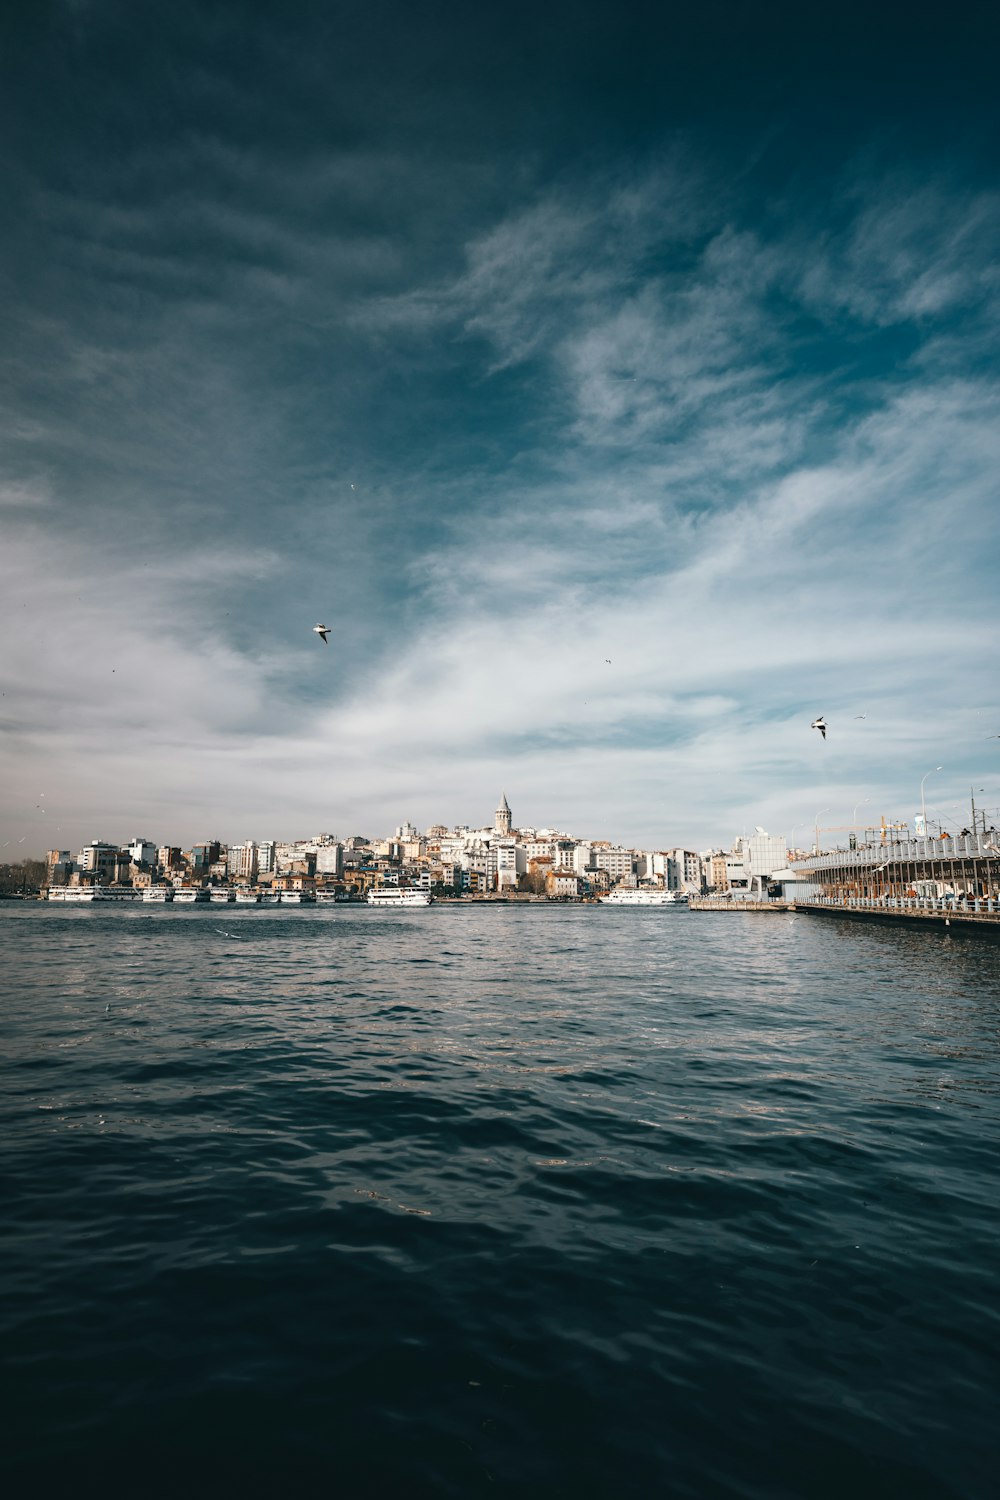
point(750, 539)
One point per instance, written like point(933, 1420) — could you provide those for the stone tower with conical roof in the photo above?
point(503, 819)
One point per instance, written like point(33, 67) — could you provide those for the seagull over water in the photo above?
point(322, 631)
point(819, 724)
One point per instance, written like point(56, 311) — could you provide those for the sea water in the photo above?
point(490, 1200)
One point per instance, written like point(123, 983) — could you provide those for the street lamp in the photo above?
point(923, 810)
point(854, 815)
point(816, 821)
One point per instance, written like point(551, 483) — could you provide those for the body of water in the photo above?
point(497, 1200)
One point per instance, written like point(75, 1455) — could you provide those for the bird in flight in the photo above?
point(819, 724)
point(608, 660)
point(322, 631)
point(861, 716)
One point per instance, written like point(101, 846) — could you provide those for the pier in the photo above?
point(948, 884)
point(964, 869)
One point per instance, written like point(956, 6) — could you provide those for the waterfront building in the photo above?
point(266, 856)
point(330, 859)
point(142, 852)
point(168, 856)
point(763, 854)
point(243, 861)
point(617, 862)
point(562, 881)
point(683, 871)
point(59, 867)
point(96, 856)
point(502, 863)
point(203, 855)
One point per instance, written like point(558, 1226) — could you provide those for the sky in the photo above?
point(618, 382)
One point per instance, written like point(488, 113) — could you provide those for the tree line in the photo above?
point(26, 878)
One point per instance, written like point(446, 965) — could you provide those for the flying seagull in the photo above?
point(861, 716)
point(819, 724)
point(322, 631)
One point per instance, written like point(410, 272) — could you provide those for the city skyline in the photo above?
point(618, 386)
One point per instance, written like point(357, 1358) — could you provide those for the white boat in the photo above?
point(79, 895)
point(222, 894)
point(625, 896)
point(247, 898)
point(399, 897)
point(158, 893)
point(270, 898)
point(188, 894)
point(297, 898)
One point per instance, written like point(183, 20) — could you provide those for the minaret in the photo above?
point(502, 819)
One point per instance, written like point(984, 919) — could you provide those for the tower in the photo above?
point(502, 817)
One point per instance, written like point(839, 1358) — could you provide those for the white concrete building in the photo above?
point(504, 858)
point(684, 870)
point(617, 861)
point(330, 859)
point(243, 860)
point(142, 852)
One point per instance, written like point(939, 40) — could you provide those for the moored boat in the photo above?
point(86, 895)
point(636, 896)
point(400, 897)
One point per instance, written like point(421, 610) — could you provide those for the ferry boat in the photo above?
point(297, 898)
point(158, 893)
point(222, 894)
point(270, 898)
point(79, 895)
point(624, 896)
point(391, 895)
point(247, 898)
point(188, 894)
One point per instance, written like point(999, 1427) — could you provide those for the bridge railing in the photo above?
point(975, 846)
point(961, 904)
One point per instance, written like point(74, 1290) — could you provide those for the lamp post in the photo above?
point(923, 810)
point(816, 822)
point(854, 815)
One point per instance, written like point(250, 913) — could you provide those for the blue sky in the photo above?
point(505, 345)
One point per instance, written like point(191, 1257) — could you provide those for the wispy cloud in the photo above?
point(744, 449)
